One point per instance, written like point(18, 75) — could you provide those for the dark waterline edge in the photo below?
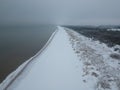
point(31, 60)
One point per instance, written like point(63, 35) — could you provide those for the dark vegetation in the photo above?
point(115, 56)
point(111, 38)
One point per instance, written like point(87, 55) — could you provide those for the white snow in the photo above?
point(113, 29)
point(69, 61)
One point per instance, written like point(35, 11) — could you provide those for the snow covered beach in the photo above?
point(69, 62)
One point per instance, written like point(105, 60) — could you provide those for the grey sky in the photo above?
point(60, 11)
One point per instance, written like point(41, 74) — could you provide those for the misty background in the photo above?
point(26, 25)
point(76, 12)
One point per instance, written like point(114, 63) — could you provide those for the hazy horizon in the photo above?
point(65, 12)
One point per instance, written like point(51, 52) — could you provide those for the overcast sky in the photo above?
point(79, 12)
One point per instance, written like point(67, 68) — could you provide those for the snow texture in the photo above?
point(70, 61)
point(99, 61)
point(113, 29)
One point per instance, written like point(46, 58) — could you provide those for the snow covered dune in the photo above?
point(101, 63)
point(69, 61)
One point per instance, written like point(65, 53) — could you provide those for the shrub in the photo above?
point(115, 56)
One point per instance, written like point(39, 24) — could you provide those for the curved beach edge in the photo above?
point(16, 73)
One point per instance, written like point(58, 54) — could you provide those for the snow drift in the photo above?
point(113, 29)
point(69, 61)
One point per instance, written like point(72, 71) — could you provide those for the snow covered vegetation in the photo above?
point(101, 63)
point(113, 29)
point(69, 61)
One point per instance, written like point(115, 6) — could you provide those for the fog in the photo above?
point(77, 12)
